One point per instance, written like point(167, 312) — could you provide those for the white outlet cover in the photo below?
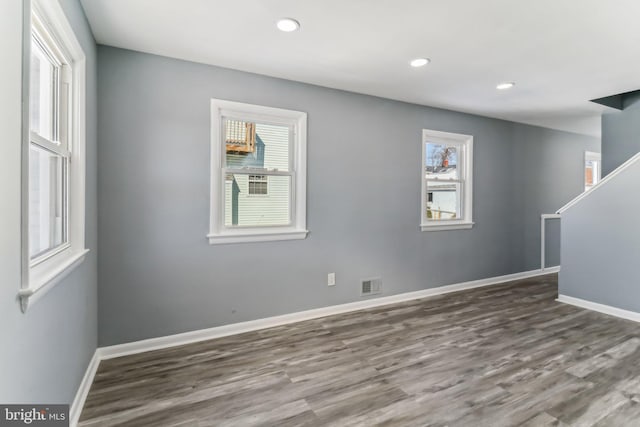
point(331, 279)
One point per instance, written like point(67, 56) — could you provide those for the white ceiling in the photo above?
point(560, 53)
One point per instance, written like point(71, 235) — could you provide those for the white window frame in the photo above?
point(42, 273)
point(297, 229)
point(594, 157)
point(465, 158)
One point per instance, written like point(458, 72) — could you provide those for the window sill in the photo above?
point(45, 276)
point(447, 226)
point(254, 237)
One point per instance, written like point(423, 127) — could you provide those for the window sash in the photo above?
point(459, 189)
point(459, 182)
point(248, 170)
point(460, 158)
point(47, 144)
point(37, 258)
point(59, 144)
point(252, 171)
point(48, 108)
point(258, 171)
point(61, 87)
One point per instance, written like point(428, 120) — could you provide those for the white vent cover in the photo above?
point(371, 286)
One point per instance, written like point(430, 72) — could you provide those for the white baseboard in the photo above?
point(83, 389)
point(269, 322)
point(601, 308)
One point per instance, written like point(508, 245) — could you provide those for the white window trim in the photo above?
point(38, 279)
point(592, 155)
point(218, 233)
point(466, 222)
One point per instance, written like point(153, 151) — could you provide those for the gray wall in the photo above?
point(158, 274)
point(45, 352)
point(600, 244)
point(549, 169)
point(621, 133)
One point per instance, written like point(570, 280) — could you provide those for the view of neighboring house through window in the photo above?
point(261, 154)
point(592, 171)
point(265, 149)
point(446, 184)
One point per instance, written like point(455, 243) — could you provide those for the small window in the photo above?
point(592, 172)
point(258, 185)
point(54, 146)
point(261, 153)
point(447, 190)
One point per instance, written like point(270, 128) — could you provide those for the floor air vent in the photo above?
point(371, 286)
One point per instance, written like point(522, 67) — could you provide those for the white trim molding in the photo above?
point(83, 390)
point(38, 276)
point(221, 239)
point(444, 226)
point(600, 308)
point(270, 322)
point(219, 233)
point(464, 144)
point(41, 284)
point(601, 184)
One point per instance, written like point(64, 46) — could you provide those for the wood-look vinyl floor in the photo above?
point(505, 355)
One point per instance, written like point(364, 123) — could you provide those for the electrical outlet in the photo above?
point(331, 279)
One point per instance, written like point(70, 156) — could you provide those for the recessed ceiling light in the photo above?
point(419, 62)
point(288, 25)
point(505, 85)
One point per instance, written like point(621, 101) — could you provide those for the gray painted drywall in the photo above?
point(621, 133)
point(549, 167)
point(600, 247)
point(44, 352)
point(158, 274)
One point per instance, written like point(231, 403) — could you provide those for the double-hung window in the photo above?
point(258, 173)
point(49, 147)
point(447, 181)
point(53, 201)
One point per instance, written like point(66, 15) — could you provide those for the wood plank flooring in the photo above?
point(505, 355)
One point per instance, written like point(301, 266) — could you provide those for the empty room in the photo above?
point(319, 213)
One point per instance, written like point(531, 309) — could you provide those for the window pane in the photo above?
point(47, 206)
point(243, 209)
point(256, 145)
point(591, 173)
point(588, 173)
point(43, 80)
point(258, 185)
point(443, 201)
point(441, 161)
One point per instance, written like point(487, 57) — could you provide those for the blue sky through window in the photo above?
point(434, 151)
